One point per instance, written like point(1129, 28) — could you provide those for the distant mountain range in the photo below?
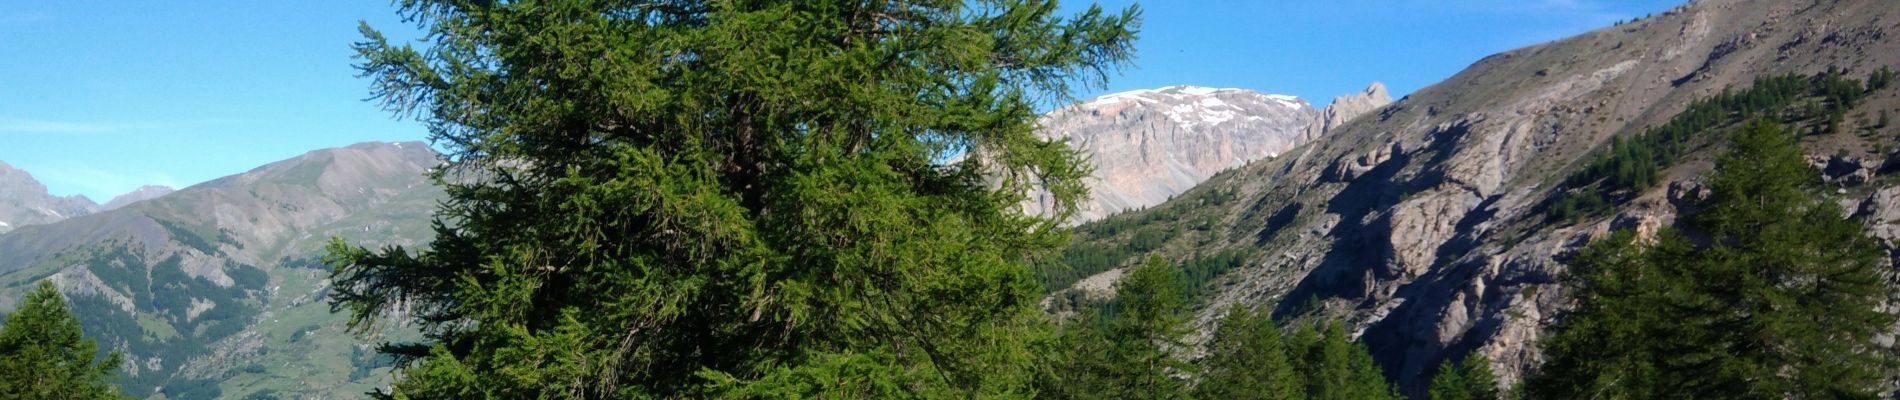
point(24, 201)
point(217, 289)
point(143, 193)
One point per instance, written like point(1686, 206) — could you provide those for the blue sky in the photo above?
point(97, 97)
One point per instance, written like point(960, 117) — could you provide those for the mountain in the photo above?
point(1437, 225)
point(1344, 108)
point(24, 201)
point(217, 289)
point(143, 193)
point(1149, 145)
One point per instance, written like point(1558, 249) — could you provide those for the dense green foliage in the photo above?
point(1118, 240)
point(730, 199)
point(1083, 259)
point(1469, 379)
point(1783, 300)
point(1628, 167)
point(1880, 79)
point(1129, 349)
point(187, 388)
point(1335, 367)
point(44, 356)
point(1197, 275)
point(1247, 359)
point(1202, 269)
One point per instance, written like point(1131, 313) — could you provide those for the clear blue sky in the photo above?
point(97, 98)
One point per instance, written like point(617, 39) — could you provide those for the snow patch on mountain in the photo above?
point(1151, 144)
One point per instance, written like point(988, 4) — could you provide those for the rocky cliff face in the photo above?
point(1149, 145)
point(1421, 225)
point(24, 201)
point(1345, 108)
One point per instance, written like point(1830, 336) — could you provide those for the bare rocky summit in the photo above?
point(1149, 145)
point(1345, 108)
point(24, 201)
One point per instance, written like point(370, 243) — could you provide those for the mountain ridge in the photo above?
point(199, 285)
point(142, 193)
point(1422, 225)
point(1346, 107)
point(25, 201)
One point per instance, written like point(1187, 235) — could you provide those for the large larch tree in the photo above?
point(729, 198)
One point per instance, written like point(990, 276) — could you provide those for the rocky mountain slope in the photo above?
point(1344, 108)
point(216, 289)
point(24, 201)
point(1427, 224)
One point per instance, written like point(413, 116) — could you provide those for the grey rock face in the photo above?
point(1149, 145)
point(24, 201)
point(1345, 108)
point(1881, 210)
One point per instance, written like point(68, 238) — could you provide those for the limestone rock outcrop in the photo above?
point(1149, 145)
point(1345, 108)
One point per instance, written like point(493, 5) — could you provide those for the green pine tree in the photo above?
point(1336, 368)
point(1248, 360)
point(1150, 311)
point(1784, 302)
point(730, 199)
point(44, 355)
point(1126, 350)
point(1078, 364)
point(1834, 120)
point(1448, 384)
point(1469, 379)
point(1597, 350)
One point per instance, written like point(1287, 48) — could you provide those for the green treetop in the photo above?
point(1469, 379)
point(1784, 301)
point(1247, 360)
point(44, 355)
point(730, 198)
point(1335, 367)
point(1150, 308)
point(1127, 349)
